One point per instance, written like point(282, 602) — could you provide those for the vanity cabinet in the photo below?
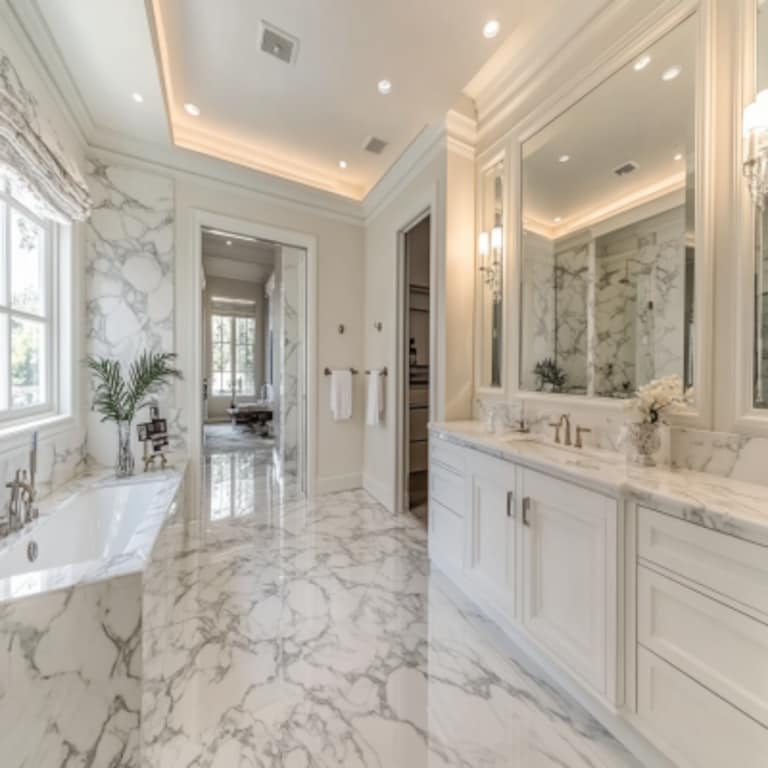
point(491, 531)
point(569, 557)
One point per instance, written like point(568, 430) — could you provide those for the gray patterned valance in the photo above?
point(31, 156)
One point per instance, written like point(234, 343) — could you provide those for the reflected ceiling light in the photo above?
point(491, 29)
point(384, 87)
point(192, 109)
point(642, 62)
point(342, 164)
point(679, 156)
point(671, 73)
point(137, 97)
point(229, 242)
point(563, 158)
point(557, 219)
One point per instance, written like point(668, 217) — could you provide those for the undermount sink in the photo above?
point(542, 445)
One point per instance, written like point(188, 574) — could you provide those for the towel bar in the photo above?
point(382, 372)
point(328, 371)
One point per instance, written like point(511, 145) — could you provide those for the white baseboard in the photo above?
point(380, 491)
point(336, 483)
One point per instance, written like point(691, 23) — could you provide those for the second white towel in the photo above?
point(374, 406)
point(341, 395)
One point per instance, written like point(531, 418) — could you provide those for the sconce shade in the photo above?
point(482, 244)
point(496, 238)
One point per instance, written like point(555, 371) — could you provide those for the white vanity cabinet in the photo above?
point(491, 531)
point(569, 576)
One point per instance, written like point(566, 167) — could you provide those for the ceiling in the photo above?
point(632, 116)
point(237, 258)
point(299, 120)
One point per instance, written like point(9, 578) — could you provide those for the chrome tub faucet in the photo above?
point(21, 505)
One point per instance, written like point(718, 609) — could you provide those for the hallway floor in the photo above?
point(294, 633)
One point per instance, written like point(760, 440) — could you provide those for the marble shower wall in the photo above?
point(640, 304)
point(571, 298)
point(129, 279)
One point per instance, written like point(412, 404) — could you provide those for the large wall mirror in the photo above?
point(491, 269)
point(608, 258)
point(760, 367)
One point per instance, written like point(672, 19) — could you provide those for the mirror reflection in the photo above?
point(491, 268)
point(608, 260)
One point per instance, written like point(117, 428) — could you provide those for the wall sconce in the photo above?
point(756, 148)
point(489, 247)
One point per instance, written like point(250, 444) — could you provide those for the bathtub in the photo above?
point(92, 533)
point(71, 622)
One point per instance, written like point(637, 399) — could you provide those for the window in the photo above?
point(233, 342)
point(26, 310)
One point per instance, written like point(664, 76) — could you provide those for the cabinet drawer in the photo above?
point(445, 536)
point(720, 647)
point(731, 566)
point(450, 456)
point(447, 488)
point(696, 728)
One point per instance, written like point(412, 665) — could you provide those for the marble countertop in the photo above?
point(730, 506)
point(134, 555)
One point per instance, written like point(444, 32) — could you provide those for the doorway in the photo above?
point(254, 370)
point(416, 365)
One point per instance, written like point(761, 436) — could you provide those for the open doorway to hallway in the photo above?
point(254, 370)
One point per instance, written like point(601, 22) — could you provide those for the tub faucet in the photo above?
point(21, 505)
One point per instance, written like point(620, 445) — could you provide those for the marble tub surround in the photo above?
point(312, 633)
point(731, 506)
point(70, 687)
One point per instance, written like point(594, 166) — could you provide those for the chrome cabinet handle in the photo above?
point(510, 502)
point(526, 510)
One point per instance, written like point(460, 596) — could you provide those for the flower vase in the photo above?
point(125, 460)
point(644, 440)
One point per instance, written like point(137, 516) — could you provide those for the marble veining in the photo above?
point(312, 633)
point(721, 503)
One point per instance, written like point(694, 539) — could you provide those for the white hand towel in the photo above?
point(374, 406)
point(341, 395)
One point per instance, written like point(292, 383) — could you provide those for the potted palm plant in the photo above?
point(118, 398)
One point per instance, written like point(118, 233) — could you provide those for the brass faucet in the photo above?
point(579, 432)
point(564, 419)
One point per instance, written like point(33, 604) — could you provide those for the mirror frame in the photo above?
point(616, 56)
point(746, 418)
point(485, 162)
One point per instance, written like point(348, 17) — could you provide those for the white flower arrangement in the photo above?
point(660, 398)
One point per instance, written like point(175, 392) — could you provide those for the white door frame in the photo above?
point(189, 330)
point(427, 208)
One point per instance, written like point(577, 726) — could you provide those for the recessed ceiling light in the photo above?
point(557, 219)
point(563, 158)
point(642, 62)
point(491, 29)
point(192, 109)
point(342, 164)
point(229, 242)
point(679, 156)
point(384, 87)
point(671, 73)
point(137, 97)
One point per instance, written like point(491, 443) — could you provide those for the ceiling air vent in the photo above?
point(374, 145)
point(278, 43)
point(626, 168)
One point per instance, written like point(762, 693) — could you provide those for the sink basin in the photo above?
point(565, 452)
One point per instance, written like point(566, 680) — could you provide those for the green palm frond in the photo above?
point(117, 399)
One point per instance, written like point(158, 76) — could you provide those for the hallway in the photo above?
point(311, 633)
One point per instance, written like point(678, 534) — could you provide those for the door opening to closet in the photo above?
point(416, 365)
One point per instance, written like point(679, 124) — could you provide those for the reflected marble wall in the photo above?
point(571, 299)
point(129, 278)
point(291, 349)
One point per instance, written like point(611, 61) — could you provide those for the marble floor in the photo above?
point(298, 634)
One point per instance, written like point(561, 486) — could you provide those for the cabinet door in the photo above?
point(570, 576)
point(491, 530)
